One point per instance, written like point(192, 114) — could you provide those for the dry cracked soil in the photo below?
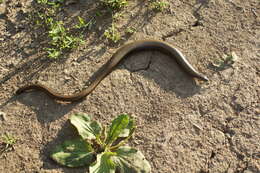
point(183, 125)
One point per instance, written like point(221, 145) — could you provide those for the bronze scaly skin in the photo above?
point(114, 61)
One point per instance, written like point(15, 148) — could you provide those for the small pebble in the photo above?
point(3, 116)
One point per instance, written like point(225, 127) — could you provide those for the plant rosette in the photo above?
point(104, 151)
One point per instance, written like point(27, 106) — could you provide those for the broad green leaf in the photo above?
point(103, 164)
point(74, 153)
point(128, 130)
point(87, 129)
point(116, 128)
point(130, 160)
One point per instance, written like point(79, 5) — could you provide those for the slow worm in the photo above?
point(114, 61)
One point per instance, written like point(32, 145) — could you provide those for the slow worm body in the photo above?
point(114, 61)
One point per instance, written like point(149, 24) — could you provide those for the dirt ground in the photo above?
point(184, 125)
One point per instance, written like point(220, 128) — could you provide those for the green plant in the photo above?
point(114, 4)
point(117, 16)
point(7, 143)
point(112, 34)
point(1, 1)
point(130, 30)
point(104, 151)
point(50, 2)
point(42, 1)
point(83, 24)
point(159, 5)
point(227, 60)
point(60, 39)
